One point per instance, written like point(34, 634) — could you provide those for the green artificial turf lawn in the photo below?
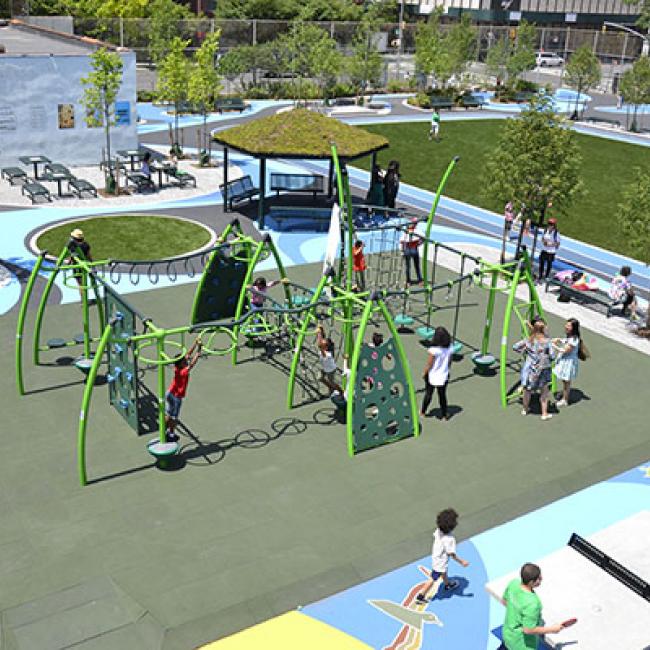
point(606, 168)
point(129, 237)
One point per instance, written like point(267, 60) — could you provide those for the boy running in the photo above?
point(444, 547)
point(434, 131)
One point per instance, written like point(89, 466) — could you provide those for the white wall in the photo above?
point(31, 90)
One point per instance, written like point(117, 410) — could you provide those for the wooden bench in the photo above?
point(241, 189)
point(78, 186)
point(230, 104)
point(437, 101)
point(35, 190)
point(603, 120)
point(297, 183)
point(14, 175)
point(470, 101)
point(593, 299)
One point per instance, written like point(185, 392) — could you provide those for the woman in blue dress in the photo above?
point(569, 350)
point(539, 354)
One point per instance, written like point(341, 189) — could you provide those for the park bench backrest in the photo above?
point(247, 184)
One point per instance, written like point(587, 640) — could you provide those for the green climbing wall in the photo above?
point(382, 412)
point(219, 289)
point(122, 373)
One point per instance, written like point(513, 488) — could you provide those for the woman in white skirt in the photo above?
point(570, 349)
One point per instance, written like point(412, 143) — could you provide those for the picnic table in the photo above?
point(57, 173)
point(134, 155)
point(36, 161)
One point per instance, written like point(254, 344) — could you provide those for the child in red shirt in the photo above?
point(359, 265)
point(178, 388)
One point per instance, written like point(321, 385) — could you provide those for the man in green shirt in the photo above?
point(523, 625)
point(434, 131)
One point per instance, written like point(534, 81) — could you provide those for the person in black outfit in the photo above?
point(391, 184)
point(79, 248)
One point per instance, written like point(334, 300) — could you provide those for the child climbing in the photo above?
point(178, 388)
point(328, 362)
point(359, 265)
point(259, 290)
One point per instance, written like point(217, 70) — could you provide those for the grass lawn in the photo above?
point(129, 237)
point(606, 168)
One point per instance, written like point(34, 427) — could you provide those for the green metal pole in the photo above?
point(242, 295)
point(504, 336)
point(20, 326)
point(160, 348)
point(430, 218)
point(485, 344)
point(300, 342)
point(85, 311)
point(352, 379)
point(405, 364)
point(85, 404)
point(99, 302)
point(38, 321)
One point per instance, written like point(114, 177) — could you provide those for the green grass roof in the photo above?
point(300, 133)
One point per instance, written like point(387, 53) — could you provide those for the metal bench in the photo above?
point(178, 176)
point(230, 104)
point(141, 181)
point(14, 175)
point(438, 101)
point(593, 299)
point(603, 120)
point(297, 183)
point(78, 186)
point(35, 190)
point(241, 189)
point(470, 101)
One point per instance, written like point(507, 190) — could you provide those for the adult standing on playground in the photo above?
point(410, 243)
point(78, 246)
point(391, 184)
point(375, 196)
point(550, 246)
point(523, 623)
point(539, 354)
point(436, 371)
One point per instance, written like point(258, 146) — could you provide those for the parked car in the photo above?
point(548, 59)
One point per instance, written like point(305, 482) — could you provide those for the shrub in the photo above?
point(341, 89)
point(421, 100)
point(146, 95)
point(396, 86)
point(522, 85)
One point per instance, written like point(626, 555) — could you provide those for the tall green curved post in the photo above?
point(405, 364)
point(489, 312)
point(20, 326)
point(300, 342)
point(85, 404)
point(352, 379)
point(85, 310)
point(160, 349)
point(503, 361)
point(38, 321)
point(431, 216)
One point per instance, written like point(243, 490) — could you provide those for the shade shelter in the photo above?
point(298, 134)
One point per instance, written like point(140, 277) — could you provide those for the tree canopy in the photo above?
point(536, 162)
point(582, 71)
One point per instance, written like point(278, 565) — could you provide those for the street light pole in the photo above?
point(645, 48)
point(400, 36)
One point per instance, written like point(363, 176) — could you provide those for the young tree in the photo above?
point(522, 54)
point(165, 18)
point(633, 218)
point(101, 87)
point(427, 44)
point(204, 85)
point(172, 86)
point(582, 72)
point(497, 58)
point(536, 162)
point(461, 44)
point(365, 65)
point(635, 86)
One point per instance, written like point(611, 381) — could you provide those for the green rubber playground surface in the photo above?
point(130, 236)
point(266, 511)
point(605, 170)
